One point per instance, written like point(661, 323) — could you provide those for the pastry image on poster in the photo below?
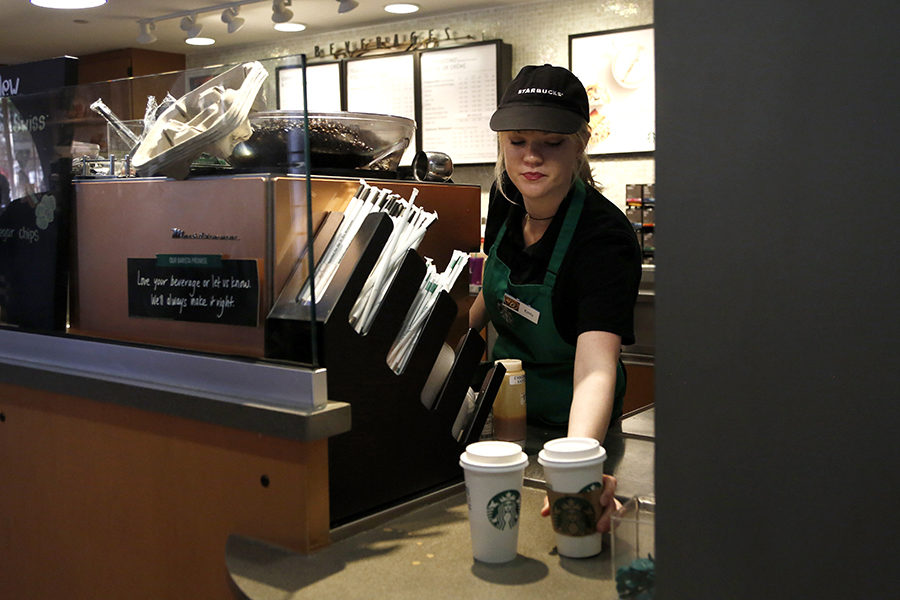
point(616, 68)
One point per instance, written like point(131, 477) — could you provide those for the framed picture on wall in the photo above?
point(617, 69)
point(198, 80)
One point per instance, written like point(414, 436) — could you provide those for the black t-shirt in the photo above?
point(597, 283)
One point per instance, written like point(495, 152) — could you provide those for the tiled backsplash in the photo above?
point(538, 33)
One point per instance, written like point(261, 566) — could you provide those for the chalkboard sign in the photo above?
point(194, 287)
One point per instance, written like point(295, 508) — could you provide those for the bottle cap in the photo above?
point(511, 364)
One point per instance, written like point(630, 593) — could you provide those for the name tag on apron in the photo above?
point(521, 308)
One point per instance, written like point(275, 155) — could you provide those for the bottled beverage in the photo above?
point(509, 406)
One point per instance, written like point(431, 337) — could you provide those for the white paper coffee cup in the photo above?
point(574, 465)
point(494, 472)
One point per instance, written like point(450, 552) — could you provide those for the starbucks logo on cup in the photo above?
point(503, 509)
point(573, 516)
point(596, 485)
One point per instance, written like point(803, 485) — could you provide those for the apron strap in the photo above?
point(499, 237)
point(567, 230)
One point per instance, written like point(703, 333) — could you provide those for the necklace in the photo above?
point(528, 216)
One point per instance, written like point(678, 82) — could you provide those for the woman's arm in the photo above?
point(596, 357)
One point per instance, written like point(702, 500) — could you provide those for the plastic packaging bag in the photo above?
point(212, 118)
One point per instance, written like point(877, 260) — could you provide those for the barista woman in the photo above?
point(563, 266)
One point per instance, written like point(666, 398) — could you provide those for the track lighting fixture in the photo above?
point(281, 17)
point(346, 5)
point(280, 11)
point(190, 26)
point(146, 36)
point(230, 17)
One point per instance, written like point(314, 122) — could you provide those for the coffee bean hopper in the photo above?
point(342, 143)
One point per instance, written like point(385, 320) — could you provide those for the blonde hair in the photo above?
point(581, 171)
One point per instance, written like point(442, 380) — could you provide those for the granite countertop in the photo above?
point(426, 552)
point(640, 424)
point(425, 548)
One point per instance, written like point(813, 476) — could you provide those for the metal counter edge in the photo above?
point(220, 378)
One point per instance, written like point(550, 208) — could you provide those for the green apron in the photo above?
point(522, 314)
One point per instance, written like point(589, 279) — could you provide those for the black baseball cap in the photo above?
point(543, 98)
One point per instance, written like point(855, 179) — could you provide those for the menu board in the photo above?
point(384, 85)
point(459, 95)
point(323, 87)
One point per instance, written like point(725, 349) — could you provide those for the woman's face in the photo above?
point(540, 164)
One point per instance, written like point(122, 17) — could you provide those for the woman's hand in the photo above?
point(607, 501)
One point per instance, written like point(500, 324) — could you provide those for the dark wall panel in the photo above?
point(777, 290)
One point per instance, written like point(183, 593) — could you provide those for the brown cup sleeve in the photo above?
point(575, 514)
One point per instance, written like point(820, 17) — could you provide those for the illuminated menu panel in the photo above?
point(323, 88)
point(459, 95)
point(383, 85)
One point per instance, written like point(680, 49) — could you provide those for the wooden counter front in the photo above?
point(107, 501)
point(114, 487)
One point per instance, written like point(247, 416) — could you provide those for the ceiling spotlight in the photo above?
point(401, 8)
point(280, 11)
point(347, 5)
point(230, 17)
point(190, 25)
point(146, 36)
point(290, 27)
point(68, 4)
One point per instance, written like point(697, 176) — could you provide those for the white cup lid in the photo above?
point(572, 450)
point(493, 454)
